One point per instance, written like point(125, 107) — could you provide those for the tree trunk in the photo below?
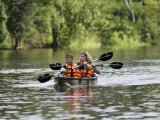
point(55, 37)
point(130, 7)
point(16, 44)
point(141, 2)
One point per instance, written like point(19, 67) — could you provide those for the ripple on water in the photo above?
point(141, 72)
point(132, 76)
point(28, 70)
point(129, 93)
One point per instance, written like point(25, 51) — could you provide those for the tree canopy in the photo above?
point(63, 23)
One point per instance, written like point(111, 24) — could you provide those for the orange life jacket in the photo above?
point(72, 72)
point(87, 73)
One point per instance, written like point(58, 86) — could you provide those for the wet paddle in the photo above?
point(46, 77)
point(103, 57)
point(57, 66)
point(114, 65)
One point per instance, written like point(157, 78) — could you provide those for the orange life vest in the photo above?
point(70, 72)
point(87, 73)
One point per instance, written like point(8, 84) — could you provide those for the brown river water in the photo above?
point(130, 93)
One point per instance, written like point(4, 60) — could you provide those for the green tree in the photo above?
point(20, 21)
point(3, 19)
point(63, 23)
point(69, 18)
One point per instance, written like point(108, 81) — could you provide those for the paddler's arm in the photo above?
point(63, 69)
point(87, 65)
point(95, 70)
point(93, 67)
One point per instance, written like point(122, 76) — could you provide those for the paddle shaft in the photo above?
point(45, 78)
point(55, 74)
point(103, 57)
point(106, 56)
point(114, 65)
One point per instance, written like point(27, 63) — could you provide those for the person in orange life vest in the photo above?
point(71, 71)
point(89, 69)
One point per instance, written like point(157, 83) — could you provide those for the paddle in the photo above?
point(103, 57)
point(58, 66)
point(46, 77)
point(114, 65)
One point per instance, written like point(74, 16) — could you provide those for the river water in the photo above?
point(130, 93)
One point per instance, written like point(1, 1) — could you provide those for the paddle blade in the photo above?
point(55, 66)
point(116, 65)
point(44, 78)
point(106, 56)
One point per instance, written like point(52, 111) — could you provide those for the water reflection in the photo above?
point(79, 102)
point(131, 93)
point(80, 93)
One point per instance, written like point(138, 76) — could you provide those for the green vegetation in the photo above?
point(73, 23)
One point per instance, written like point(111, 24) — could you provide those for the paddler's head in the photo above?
point(69, 58)
point(85, 57)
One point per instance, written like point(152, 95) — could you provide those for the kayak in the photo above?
point(63, 83)
point(76, 81)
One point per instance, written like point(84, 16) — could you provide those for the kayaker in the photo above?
point(88, 69)
point(71, 70)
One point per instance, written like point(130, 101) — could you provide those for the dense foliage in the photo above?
point(70, 23)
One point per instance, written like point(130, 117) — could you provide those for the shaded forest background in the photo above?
point(74, 23)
